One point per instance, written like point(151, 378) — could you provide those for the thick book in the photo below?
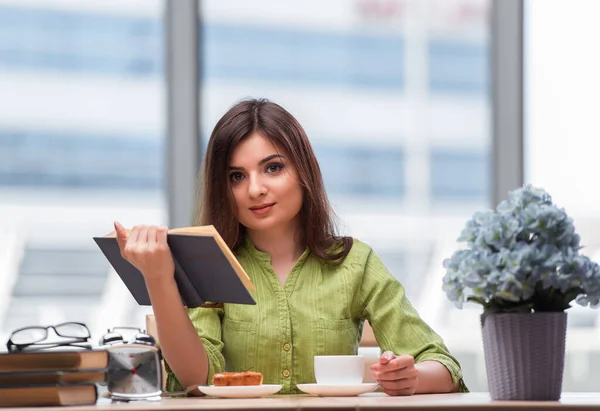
point(33, 396)
point(207, 273)
point(35, 361)
point(18, 378)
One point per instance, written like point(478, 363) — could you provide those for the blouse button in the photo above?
point(286, 373)
point(287, 346)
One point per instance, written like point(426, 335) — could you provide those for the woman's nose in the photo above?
point(256, 187)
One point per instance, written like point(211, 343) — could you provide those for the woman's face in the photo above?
point(265, 185)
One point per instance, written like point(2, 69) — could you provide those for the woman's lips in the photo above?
point(262, 209)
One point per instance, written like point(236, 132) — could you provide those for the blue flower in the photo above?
point(525, 253)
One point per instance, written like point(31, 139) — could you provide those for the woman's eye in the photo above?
point(235, 177)
point(273, 168)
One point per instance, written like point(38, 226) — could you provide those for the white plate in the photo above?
point(242, 391)
point(323, 390)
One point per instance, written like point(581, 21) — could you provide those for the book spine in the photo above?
point(189, 295)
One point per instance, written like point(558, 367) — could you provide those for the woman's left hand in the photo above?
point(396, 374)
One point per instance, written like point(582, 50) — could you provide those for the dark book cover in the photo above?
point(203, 272)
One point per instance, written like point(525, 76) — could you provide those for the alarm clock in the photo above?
point(134, 368)
point(134, 372)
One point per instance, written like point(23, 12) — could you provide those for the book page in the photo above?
point(206, 230)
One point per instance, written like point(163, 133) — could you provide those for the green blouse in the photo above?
point(320, 311)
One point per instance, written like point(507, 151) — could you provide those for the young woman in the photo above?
point(264, 193)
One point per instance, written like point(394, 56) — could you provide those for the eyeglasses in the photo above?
point(76, 336)
point(112, 337)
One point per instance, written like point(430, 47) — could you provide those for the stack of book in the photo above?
point(51, 377)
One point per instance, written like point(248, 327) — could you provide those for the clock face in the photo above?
point(134, 370)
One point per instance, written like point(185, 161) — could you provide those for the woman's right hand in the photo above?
point(147, 250)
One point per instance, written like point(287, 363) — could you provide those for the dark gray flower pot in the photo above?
point(524, 355)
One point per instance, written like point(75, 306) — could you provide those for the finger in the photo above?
point(407, 372)
point(134, 234)
point(131, 245)
point(386, 357)
point(143, 238)
point(121, 236)
point(405, 392)
point(403, 384)
point(152, 235)
point(399, 362)
point(161, 235)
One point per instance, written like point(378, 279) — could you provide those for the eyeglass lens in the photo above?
point(29, 335)
point(72, 330)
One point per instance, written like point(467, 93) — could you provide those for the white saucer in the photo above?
point(243, 391)
point(322, 390)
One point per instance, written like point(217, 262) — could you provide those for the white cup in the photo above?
point(339, 369)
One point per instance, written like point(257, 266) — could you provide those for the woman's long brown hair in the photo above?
point(275, 123)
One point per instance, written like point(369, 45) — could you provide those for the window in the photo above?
point(560, 88)
point(81, 143)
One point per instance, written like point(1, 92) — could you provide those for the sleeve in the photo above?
point(207, 322)
point(396, 324)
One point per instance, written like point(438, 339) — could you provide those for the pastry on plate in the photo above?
point(224, 379)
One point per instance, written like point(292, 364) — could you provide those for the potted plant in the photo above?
point(522, 263)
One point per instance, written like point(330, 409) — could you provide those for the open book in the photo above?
point(206, 271)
